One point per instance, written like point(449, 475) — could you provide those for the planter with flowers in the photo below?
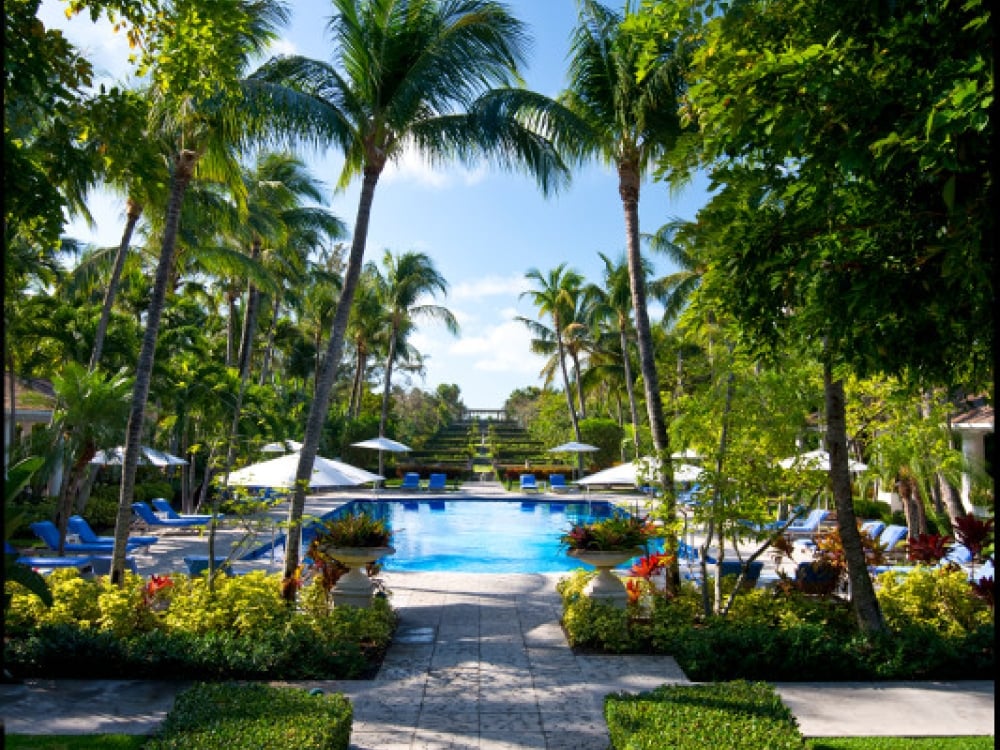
point(605, 544)
point(356, 541)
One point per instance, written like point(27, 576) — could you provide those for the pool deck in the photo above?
point(480, 661)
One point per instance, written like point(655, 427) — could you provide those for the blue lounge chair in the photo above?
point(164, 507)
point(79, 526)
point(45, 564)
point(437, 482)
point(528, 483)
point(148, 517)
point(892, 537)
point(411, 481)
point(805, 527)
point(557, 483)
point(872, 528)
point(734, 568)
point(48, 533)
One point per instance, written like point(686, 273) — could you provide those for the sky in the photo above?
point(483, 228)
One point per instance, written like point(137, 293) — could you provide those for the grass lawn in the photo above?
point(75, 741)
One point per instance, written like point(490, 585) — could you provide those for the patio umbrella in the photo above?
point(282, 446)
point(147, 457)
point(382, 443)
point(280, 473)
point(574, 447)
point(818, 460)
point(687, 454)
point(645, 468)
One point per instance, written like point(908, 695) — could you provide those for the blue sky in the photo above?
point(484, 229)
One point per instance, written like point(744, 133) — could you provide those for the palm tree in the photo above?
point(408, 278)
point(427, 74)
point(556, 296)
point(368, 319)
point(631, 113)
point(612, 302)
point(195, 106)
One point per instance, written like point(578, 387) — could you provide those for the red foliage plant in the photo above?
point(648, 564)
point(973, 532)
point(928, 548)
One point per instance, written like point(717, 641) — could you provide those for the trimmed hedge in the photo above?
point(225, 716)
point(736, 715)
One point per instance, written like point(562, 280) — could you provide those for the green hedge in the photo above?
point(736, 716)
point(225, 716)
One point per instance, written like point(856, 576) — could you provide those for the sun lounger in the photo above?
point(102, 565)
point(437, 482)
point(873, 528)
point(151, 520)
point(48, 533)
point(79, 526)
point(411, 481)
point(162, 506)
point(557, 483)
point(528, 483)
point(892, 541)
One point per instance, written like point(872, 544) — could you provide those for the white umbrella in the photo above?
point(282, 446)
point(818, 460)
point(382, 443)
point(147, 457)
point(687, 454)
point(574, 447)
point(627, 473)
point(280, 473)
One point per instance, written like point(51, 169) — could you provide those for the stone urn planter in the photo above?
point(355, 587)
point(605, 586)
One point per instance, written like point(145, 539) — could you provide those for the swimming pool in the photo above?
point(480, 536)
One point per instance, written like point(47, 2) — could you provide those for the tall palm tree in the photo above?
point(195, 90)
point(556, 297)
point(368, 318)
point(631, 113)
point(408, 279)
point(432, 74)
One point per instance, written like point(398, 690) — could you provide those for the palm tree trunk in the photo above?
point(184, 165)
point(268, 353)
point(579, 386)
point(630, 388)
point(249, 318)
point(628, 188)
point(133, 212)
point(12, 436)
point(863, 599)
point(325, 378)
point(384, 416)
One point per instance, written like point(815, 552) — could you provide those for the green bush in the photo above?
point(181, 630)
point(736, 715)
point(871, 509)
point(224, 716)
point(938, 630)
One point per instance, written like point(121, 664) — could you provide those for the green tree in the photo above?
point(631, 113)
point(430, 74)
point(849, 146)
point(194, 59)
point(409, 279)
point(557, 296)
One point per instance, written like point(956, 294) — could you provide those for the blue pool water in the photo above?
point(480, 536)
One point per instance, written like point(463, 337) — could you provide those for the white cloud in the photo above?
point(411, 166)
point(490, 286)
point(96, 40)
point(283, 46)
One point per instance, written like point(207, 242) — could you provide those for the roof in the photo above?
point(978, 417)
point(31, 394)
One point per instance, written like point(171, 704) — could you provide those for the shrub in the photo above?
point(736, 715)
point(223, 716)
point(242, 630)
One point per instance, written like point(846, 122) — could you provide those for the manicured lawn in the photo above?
point(903, 743)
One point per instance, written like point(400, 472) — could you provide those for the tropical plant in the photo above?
point(617, 533)
point(354, 530)
point(427, 74)
point(16, 479)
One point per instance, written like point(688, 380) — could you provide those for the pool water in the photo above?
point(480, 536)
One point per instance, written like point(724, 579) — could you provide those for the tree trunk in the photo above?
point(250, 317)
point(561, 353)
point(384, 416)
point(579, 385)
point(325, 378)
point(268, 353)
point(628, 188)
point(863, 599)
point(633, 408)
point(133, 212)
point(184, 165)
point(70, 490)
point(951, 498)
